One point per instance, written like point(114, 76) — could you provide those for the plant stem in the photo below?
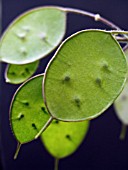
point(101, 19)
point(123, 132)
point(44, 127)
point(56, 164)
point(121, 39)
point(125, 47)
point(118, 32)
point(96, 17)
point(17, 150)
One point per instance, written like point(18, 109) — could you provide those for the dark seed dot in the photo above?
point(56, 121)
point(44, 39)
point(44, 110)
point(23, 74)
point(27, 70)
point(26, 103)
point(12, 73)
point(20, 116)
point(24, 52)
point(34, 126)
point(68, 137)
point(98, 81)
point(67, 78)
point(22, 36)
point(77, 101)
point(23, 102)
point(105, 66)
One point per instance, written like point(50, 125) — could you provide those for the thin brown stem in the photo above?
point(56, 166)
point(44, 127)
point(125, 47)
point(17, 150)
point(117, 32)
point(123, 132)
point(96, 17)
point(121, 39)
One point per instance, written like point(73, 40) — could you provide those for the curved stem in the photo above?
point(56, 167)
point(44, 127)
point(123, 132)
point(96, 17)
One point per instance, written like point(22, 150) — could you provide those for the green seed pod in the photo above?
point(63, 138)
point(17, 74)
point(28, 113)
point(85, 76)
point(33, 35)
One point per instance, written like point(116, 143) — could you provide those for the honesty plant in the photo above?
point(83, 78)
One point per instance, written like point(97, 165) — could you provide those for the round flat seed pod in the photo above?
point(27, 113)
point(85, 76)
point(61, 139)
point(33, 35)
point(16, 74)
point(121, 103)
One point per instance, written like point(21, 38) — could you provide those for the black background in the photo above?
point(102, 149)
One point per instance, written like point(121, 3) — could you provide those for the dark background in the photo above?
point(102, 149)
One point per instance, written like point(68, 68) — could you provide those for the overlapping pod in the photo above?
point(28, 115)
point(27, 112)
point(85, 76)
point(61, 139)
point(16, 74)
point(121, 105)
point(33, 35)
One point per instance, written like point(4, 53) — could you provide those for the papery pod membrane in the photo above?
point(121, 103)
point(16, 74)
point(61, 139)
point(28, 113)
point(33, 35)
point(85, 76)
